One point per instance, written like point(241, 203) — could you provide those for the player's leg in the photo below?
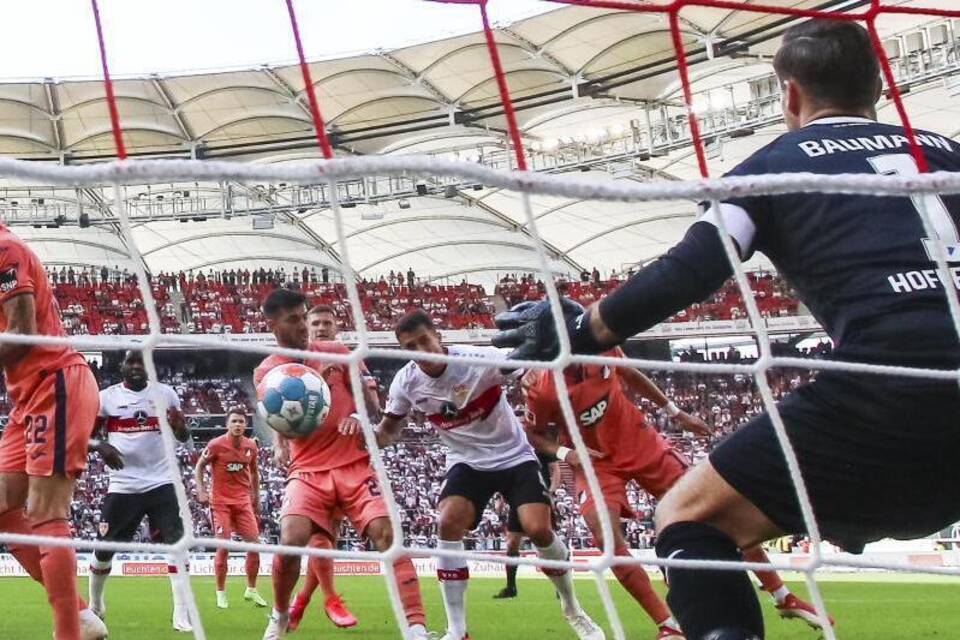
point(514, 539)
point(120, 518)
point(222, 520)
point(307, 505)
point(13, 517)
point(362, 502)
point(788, 604)
point(295, 530)
point(244, 521)
point(664, 472)
point(524, 489)
point(704, 518)
point(58, 420)
point(163, 513)
point(632, 577)
point(464, 495)
point(320, 573)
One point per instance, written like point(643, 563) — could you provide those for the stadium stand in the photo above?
point(105, 301)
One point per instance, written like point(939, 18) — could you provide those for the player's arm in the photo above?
point(110, 454)
point(371, 398)
point(689, 272)
point(20, 312)
point(389, 429)
point(255, 483)
point(643, 386)
point(175, 417)
point(199, 476)
point(281, 449)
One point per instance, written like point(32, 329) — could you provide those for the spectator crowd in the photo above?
point(108, 301)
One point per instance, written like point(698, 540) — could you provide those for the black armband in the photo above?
point(689, 272)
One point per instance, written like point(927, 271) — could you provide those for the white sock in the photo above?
point(98, 581)
point(781, 594)
point(561, 579)
point(179, 585)
point(418, 629)
point(669, 622)
point(453, 575)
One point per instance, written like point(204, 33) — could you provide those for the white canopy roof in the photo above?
point(583, 80)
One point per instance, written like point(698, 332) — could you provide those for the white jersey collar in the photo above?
point(841, 120)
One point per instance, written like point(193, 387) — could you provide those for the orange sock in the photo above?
point(220, 568)
point(409, 588)
point(319, 571)
point(286, 572)
point(59, 566)
point(252, 567)
point(637, 583)
point(15, 521)
point(769, 579)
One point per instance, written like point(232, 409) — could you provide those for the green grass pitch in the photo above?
point(139, 609)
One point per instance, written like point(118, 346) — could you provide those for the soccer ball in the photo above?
point(293, 400)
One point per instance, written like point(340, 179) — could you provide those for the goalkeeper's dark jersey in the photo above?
point(862, 264)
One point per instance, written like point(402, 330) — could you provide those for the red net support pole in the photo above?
point(508, 111)
point(319, 128)
point(108, 86)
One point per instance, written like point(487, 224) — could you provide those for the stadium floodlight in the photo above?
point(262, 223)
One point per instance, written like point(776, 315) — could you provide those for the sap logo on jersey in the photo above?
point(595, 414)
point(233, 467)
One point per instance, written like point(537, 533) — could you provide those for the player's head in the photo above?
point(322, 320)
point(132, 370)
point(415, 332)
point(286, 314)
point(827, 67)
point(236, 421)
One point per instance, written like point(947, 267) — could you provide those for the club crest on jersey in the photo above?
point(594, 413)
point(460, 392)
point(8, 279)
point(103, 527)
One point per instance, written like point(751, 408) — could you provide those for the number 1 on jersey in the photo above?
point(943, 223)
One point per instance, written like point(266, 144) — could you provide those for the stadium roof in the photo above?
point(596, 91)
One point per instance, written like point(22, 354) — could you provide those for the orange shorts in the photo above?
point(655, 478)
point(49, 430)
point(235, 518)
point(351, 490)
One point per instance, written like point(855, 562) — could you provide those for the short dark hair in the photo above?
point(281, 300)
point(322, 308)
point(413, 320)
point(833, 60)
point(235, 410)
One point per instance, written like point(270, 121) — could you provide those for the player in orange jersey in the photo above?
point(234, 498)
point(624, 447)
point(328, 472)
point(44, 445)
point(323, 326)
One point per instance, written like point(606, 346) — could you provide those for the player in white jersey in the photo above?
point(488, 453)
point(141, 483)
